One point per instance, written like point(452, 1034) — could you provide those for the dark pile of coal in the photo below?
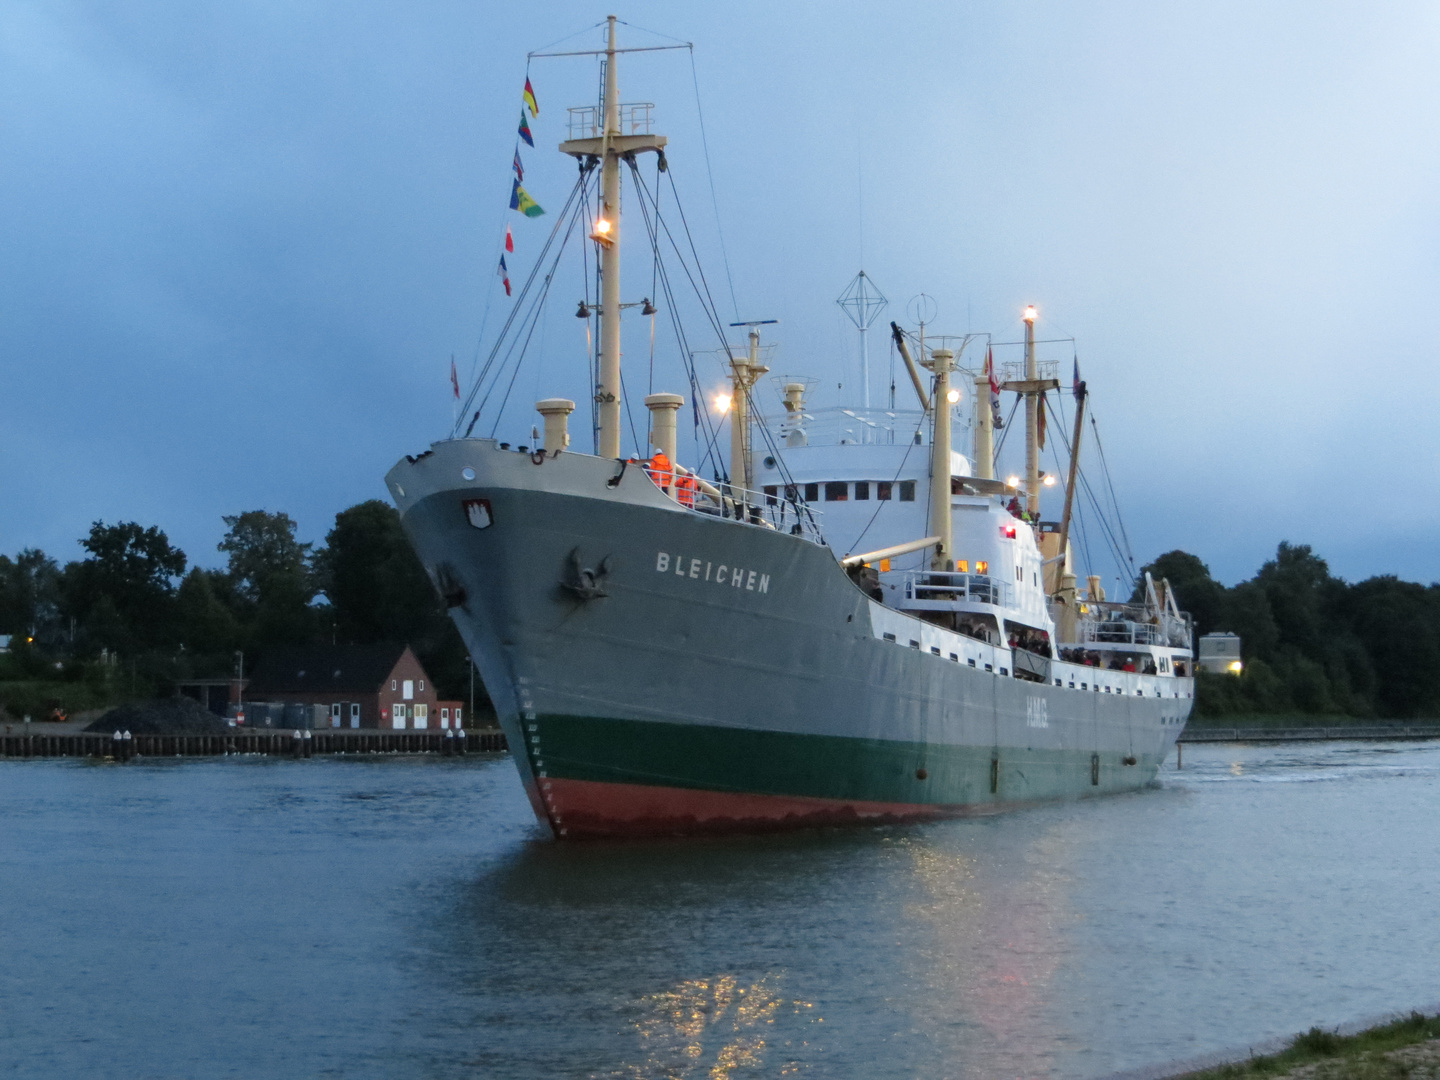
point(163, 716)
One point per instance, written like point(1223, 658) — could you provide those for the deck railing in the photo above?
point(940, 590)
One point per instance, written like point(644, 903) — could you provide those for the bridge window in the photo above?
point(907, 490)
point(835, 491)
point(772, 492)
point(862, 490)
point(812, 492)
point(882, 489)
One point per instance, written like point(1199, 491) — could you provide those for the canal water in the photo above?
point(406, 918)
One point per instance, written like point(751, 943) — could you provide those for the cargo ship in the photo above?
point(674, 653)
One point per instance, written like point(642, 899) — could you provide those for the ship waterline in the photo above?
point(659, 670)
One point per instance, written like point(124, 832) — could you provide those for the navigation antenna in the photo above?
point(863, 302)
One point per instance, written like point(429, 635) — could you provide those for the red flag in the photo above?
point(454, 379)
point(509, 241)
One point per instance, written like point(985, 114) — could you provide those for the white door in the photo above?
point(397, 716)
point(334, 715)
point(422, 716)
point(354, 714)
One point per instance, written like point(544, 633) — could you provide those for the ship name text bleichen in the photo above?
point(735, 576)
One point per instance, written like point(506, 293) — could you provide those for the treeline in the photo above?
point(1314, 643)
point(132, 618)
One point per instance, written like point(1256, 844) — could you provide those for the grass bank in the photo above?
point(1389, 1052)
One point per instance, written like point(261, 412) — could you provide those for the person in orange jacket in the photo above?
point(685, 488)
point(661, 471)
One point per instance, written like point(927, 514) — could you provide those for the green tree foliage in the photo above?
point(1313, 643)
point(30, 596)
point(378, 591)
point(271, 579)
point(206, 625)
point(124, 592)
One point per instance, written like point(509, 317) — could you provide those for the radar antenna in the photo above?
point(863, 303)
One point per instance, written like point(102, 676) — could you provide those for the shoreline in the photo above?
point(1383, 1035)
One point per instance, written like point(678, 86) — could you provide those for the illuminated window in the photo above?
point(962, 565)
point(836, 491)
point(907, 490)
point(982, 567)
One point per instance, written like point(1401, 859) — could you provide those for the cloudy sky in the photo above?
point(241, 242)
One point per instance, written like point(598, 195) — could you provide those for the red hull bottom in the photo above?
point(588, 809)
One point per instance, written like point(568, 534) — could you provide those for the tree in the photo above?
point(264, 554)
point(1195, 590)
point(271, 577)
point(30, 596)
point(379, 591)
point(134, 568)
point(205, 624)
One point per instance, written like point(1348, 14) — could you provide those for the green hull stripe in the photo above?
point(818, 766)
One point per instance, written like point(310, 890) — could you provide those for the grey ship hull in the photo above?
point(658, 670)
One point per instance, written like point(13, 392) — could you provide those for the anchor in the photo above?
point(585, 583)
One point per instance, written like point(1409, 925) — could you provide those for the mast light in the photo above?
point(1049, 480)
point(1012, 481)
point(601, 234)
point(953, 396)
point(722, 403)
point(1030, 313)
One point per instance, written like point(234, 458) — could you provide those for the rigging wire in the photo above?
point(515, 312)
point(534, 320)
point(710, 172)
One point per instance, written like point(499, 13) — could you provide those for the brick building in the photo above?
point(371, 686)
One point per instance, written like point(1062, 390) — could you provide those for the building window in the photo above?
point(392, 684)
point(444, 714)
point(407, 689)
point(812, 493)
point(422, 686)
point(835, 491)
point(882, 489)
point(907, 490)
point(862, 490)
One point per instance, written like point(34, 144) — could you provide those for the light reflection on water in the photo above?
point(407, 918)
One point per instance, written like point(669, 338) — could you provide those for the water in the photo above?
point(406, 918)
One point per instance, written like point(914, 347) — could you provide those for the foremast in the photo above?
point(609, 147)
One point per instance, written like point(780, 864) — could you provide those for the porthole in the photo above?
point(769, 463)
point(468, 473)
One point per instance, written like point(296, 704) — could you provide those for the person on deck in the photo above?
point(661, 471)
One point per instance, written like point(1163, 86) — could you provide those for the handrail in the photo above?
point(942, 589)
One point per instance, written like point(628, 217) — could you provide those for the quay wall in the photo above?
point(272, 743)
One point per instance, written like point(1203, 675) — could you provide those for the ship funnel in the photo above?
point(556, 412)
point(663, 408)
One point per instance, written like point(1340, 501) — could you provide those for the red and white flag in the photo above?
point(509, 241)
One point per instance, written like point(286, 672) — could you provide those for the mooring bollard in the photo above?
point(297, 745)
point(308, 741)
point(449, 743)
point(460, 741)
point(117, 746)
point(129, 746)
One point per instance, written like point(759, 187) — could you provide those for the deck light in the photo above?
point(953, 396)
point(1012, 481)
point(722, 403)
point(602, 232)
point(1029, 315)
point(1049, 480)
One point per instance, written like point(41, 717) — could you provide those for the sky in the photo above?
point(242, 242)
